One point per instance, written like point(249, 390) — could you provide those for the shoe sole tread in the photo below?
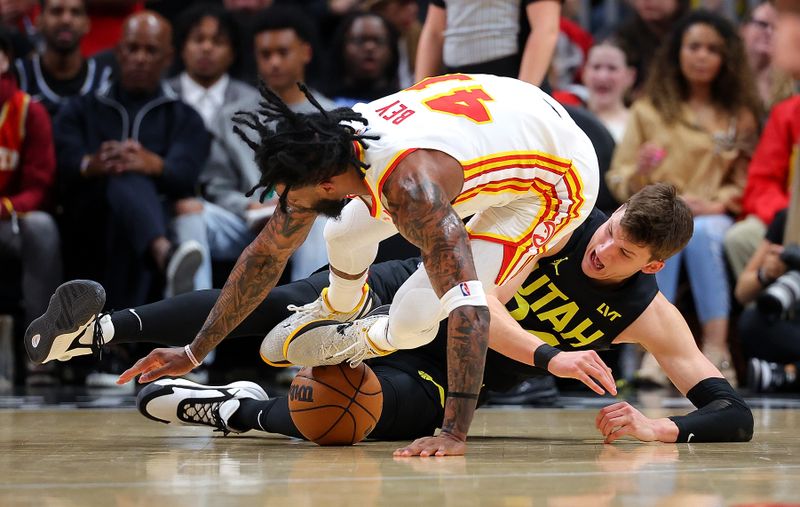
point(73, 305)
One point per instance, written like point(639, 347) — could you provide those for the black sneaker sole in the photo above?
point(71, 306)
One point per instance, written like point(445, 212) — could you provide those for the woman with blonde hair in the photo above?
point(695, 127)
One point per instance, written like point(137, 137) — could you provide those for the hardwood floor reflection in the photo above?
point(517, 457)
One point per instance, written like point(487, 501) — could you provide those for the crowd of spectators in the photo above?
point(119, 160)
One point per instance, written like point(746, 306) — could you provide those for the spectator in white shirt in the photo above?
point(206, 39)
point(207, 44)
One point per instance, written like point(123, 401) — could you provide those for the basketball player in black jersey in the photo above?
point(594, 289)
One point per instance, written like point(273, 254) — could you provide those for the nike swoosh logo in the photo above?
point(76, 342)
point(258, 420)
point(690, 437)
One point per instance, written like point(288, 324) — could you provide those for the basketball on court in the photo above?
point(335, 405)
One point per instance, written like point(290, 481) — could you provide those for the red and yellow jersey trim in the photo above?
point(376, 207)
point(15, 111)
point(516, 248)
point(532, 159)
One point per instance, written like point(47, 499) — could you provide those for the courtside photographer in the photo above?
point(770, 325)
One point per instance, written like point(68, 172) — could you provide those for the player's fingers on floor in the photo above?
point(610, 408)
point(411, 449)
point(601, 421)
point(442, 452)
point(619, 433)
point(603, 413)
point(432, 448)
point(614, 422)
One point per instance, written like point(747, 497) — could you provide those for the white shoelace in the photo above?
point(306, 308)
point(357, 352)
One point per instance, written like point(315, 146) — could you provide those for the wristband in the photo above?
point(468, 293)
point(459, 394)
point(543, 354)
point(190, 355)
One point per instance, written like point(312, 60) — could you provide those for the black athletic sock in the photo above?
point(176, 321)
point(271, 416)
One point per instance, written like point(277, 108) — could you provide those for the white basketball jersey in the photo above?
point(511, 138)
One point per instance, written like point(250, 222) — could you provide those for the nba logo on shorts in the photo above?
point(464, 289)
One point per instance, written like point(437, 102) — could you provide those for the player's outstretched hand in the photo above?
point(444, 444)
point(158, 363)
point(621, 419)
point(585, 366)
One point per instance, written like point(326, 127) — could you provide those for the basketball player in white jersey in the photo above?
point(419, 161)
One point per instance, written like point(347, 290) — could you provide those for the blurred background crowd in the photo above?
point(118, 160)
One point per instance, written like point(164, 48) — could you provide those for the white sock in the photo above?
point(378, 334)
point(343, 294)
point(107, 327)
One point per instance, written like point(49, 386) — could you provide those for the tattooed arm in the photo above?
point(418, 195)
point(255, 274)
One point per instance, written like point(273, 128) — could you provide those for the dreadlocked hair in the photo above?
point(296, 149)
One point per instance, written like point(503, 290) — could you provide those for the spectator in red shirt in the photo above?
point(767, 188)
point(27, 173)
point(106, 17)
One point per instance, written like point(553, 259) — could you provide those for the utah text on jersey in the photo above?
point(554, 310)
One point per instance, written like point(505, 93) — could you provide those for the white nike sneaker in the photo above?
point(272, 348)
point(326, 342)
point(71, 325)
point(180, 401)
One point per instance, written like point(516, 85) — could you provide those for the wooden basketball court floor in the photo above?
point(63, 456)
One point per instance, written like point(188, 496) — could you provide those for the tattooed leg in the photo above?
point(420, 194)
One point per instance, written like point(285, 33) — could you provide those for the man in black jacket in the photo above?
point(133, 151)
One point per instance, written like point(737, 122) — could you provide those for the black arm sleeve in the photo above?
point(721, 416)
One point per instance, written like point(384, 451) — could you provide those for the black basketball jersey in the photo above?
point(560, 305)
point(563, 307)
